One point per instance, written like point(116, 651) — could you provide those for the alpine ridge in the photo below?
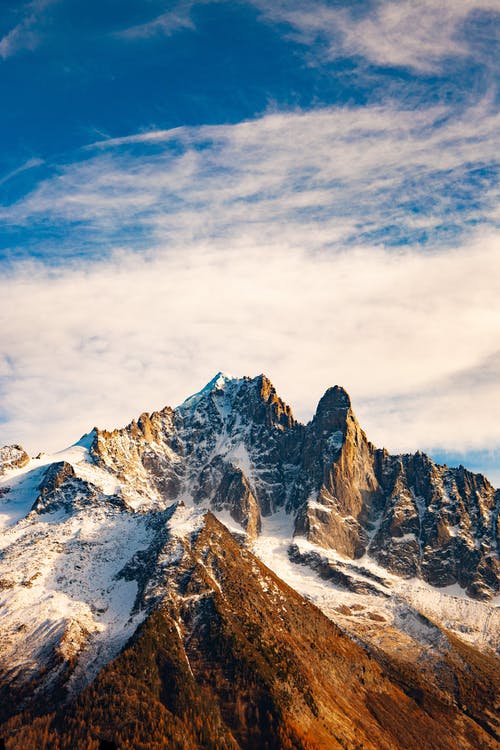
point(198, 545)
point(237, 446)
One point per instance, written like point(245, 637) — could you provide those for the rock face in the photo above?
point(12, 457)
point(235, 495)
point(237, 446)
point(438, 523)
point(337, 493)
point(231, 425)
point(61, 489)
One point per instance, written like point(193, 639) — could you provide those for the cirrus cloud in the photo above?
point(387, 32)
point(25, 34)
point(376, 175)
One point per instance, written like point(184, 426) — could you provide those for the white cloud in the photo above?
point(24, 35)
point(389, 32)
point(175, 19)
point(398, 330)
point(326, 176)
point(21, 37)
point(466, 402)
point(28, 164)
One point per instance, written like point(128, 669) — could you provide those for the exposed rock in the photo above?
point(12, 457)
point(145, 456)
point(439, 523)
point(322, 523)
point(334, 572)
point(235, 495)
point(337, 473)
point(61, 489)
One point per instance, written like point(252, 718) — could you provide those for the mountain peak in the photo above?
point(220, 379)
point(335, 398)
point(332, 410)
point(217, 383)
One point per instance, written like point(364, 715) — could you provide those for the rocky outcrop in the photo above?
point(338, 573)
point(337, 492)
point(322, 523)
point(145, 456)
point(12, 457)
point(438, 523)
point(236, 496)
point(61, 489)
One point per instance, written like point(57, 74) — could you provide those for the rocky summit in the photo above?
point(219, 575)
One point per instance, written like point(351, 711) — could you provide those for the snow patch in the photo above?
point(186, 521)
point(217, 383)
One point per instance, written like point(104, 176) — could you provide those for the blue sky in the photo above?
point(305, 189)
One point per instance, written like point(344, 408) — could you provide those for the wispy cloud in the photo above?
point(25, 34)
point(28, 164)
point(327, 177)
point(387, 32)
point(175, 19)
point(151, 136)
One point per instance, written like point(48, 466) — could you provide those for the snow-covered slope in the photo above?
point(364, 597)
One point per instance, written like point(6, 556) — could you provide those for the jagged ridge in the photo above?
point(236, 445)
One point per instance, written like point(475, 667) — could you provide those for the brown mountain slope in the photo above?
point(234, 658)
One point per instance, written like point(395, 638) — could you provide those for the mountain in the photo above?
point(220, 575)
point(237, 446)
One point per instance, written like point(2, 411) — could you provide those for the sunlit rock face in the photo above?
point(12, 457)
point(337, 493)
point(233, 422)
